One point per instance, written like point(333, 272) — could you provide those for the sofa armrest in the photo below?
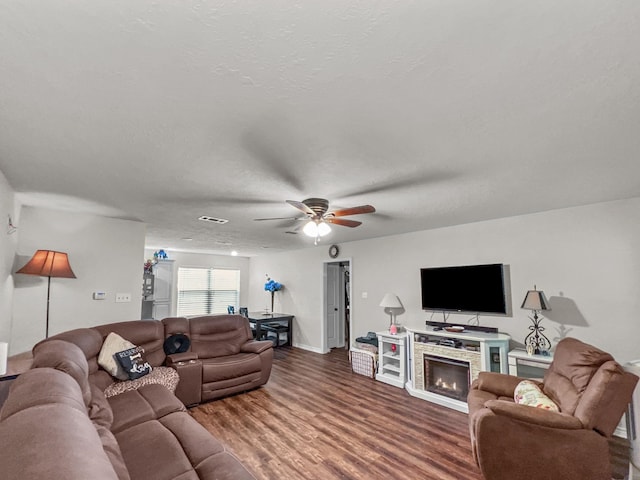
point(533, 415)
point(498, 383)
point(177, 358)
point(256, 346)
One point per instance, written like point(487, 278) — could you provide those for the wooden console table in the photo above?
point(265, 322)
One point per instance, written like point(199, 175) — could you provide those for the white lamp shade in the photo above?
point(390, 301)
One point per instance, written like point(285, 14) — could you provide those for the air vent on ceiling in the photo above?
point(219, 221)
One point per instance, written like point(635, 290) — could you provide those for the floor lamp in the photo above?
point(48, 263)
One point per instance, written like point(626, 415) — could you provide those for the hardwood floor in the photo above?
point(315, 419)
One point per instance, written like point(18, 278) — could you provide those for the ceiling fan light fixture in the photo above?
point(311, 229)
point(315, 229)
point(323, 229)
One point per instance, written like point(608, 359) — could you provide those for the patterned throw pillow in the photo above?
point(529, 393)
point(106, 359)
point(133, 362)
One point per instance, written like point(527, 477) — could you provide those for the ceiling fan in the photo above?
point(316, 211)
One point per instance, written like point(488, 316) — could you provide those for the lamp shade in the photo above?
point(390, 301)
point(535, 300)
point(48, 263)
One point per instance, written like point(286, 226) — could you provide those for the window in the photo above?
point(203, 291)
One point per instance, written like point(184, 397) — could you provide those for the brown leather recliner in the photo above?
point(518, 441)
point(222, 359)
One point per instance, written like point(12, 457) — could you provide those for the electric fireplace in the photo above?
point(447, 376)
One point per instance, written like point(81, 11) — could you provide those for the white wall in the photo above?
point(104, 253)
point(586, 260)
point(8, 246)
point(301, 273)
point(187, 259)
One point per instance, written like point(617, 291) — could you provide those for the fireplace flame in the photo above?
point(442, 384)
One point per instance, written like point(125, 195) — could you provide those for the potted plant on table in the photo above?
point(273, 287)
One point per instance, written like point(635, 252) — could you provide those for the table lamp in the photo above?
point(536, 301)
point(390, 301)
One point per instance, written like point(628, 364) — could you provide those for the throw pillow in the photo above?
point(529, 393)
point(134, 363)
point(106, 359)
point(177, 343)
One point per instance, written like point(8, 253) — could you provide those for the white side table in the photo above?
point(392, 358)
point(521, 364)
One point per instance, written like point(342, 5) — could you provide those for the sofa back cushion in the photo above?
point(218, 335)
point(586, 382)
point(66, 357)
point(174, 325)
point(606, 398)
point(41, 386)
point(148, 334)
point(45, 431)
point(90, 342)
point(574, 365)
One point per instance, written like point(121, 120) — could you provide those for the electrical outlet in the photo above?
point(123, 297)
point(365, 294)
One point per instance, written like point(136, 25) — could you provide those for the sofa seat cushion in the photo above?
point(232, 366)
point(177, 447)
point(149, 402)
point(164, 376)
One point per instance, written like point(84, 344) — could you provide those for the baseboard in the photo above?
point(308, 347)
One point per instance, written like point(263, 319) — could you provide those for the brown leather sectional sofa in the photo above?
point(57, 422)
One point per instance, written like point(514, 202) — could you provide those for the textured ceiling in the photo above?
point(435, 112)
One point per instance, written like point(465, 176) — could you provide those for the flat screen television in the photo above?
point(470, 288)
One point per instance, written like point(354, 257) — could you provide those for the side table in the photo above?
point(392, 358)
point(521, 364)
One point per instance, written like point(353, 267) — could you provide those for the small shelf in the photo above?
point(392, 368)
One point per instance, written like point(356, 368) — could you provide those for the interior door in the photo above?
point(333, 305)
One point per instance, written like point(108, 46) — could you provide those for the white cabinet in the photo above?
point(391, 358)
point(163, 289)
point(521, 364)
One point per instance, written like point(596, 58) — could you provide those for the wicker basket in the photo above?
point(363, 362)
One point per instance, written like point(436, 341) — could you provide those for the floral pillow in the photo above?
point(529, 393)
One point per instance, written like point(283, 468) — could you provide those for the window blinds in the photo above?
point(203, 291)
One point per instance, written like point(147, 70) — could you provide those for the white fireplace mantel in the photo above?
point(482, 351)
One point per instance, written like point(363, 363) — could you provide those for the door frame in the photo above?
point(324, 336)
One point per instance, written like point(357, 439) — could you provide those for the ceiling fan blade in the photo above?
point(342, 221)
point(301, 206)
point(275, 218)
point(352, 211)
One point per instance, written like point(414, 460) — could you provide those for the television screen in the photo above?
point(472, 288)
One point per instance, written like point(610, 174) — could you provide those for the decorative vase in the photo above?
point(273, 294)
